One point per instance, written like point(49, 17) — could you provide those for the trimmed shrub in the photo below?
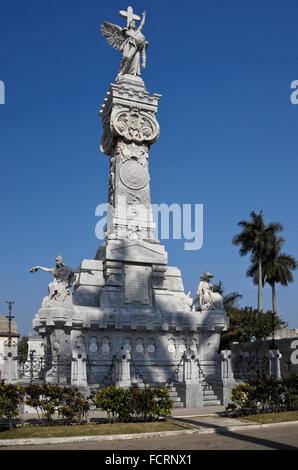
point(45, 399)
point(265, 395)
point(146, 404)
point(113, 400)
point(73, 405)
point(11, 396)
point(242, 395)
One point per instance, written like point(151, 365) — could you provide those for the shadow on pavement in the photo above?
point(235, 435)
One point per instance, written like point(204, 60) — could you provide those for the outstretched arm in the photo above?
point(142, 22)
point(36, 268)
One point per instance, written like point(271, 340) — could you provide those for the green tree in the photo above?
point(277, 269)
point(247, 324)
point(23, 348)
point(11, 396)
point(257, 238)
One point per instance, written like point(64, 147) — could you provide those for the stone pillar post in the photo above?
point(123, 378)
point(78, 369)
point(274, 363)
point(226, 375)
point(78, 376)
point(190, 389)
point(10, 367)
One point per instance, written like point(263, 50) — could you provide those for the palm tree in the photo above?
point(277, 269)
point(229, 300)
point(257, 238)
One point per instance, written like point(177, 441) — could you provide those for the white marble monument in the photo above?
point(128, 307)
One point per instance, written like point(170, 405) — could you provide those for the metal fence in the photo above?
point(250, 367)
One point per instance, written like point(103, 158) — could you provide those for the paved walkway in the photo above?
point(206, 421)
point(207, 410)
point(208, 418)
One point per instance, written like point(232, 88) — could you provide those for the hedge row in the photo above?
point(265, 395)
point(128, 404)
point(71, 405)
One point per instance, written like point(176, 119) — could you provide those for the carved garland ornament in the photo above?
point(134, 124)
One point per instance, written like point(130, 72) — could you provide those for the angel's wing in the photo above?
point(114, 34)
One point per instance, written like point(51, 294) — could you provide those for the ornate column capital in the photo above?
point(128, 113)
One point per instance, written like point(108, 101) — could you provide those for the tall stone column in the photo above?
point(129, 129)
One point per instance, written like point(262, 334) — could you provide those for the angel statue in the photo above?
point(130, 41)
point(209, 300)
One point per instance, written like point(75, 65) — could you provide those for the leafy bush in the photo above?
point(11, 396)
point(242, 395)
point(32, 398)
point(142, 403)
point(113, 400)
point(68, 402)
point(147, 404)
point(266, 395)
point(291, 392)
point(45, 399)
point(163, 403)
point(72, 405)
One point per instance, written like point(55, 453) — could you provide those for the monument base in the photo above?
point(151, 321)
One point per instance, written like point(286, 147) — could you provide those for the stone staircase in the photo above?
point(209, 397)
point(174, 396)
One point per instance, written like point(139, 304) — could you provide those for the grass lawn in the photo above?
point(92, 429)
point(272, 417)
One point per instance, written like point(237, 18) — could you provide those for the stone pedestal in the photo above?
point(122, 372)
point(10, 367)
point(191, 395)
point(78, 365)
point(227, 377)
point(274, 363)
point(190, 390)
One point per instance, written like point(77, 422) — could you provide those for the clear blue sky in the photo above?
point(229, 133)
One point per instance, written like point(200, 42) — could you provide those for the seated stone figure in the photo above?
point(209, 300)
point(64, 278)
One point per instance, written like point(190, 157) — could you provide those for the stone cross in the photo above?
point(129, 14)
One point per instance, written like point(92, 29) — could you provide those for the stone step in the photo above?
point(178, 404)
point(210, 397)
point(175, 399)
point(211, 402)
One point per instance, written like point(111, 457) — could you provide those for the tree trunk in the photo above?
point(260, 287)
point(274, 308)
